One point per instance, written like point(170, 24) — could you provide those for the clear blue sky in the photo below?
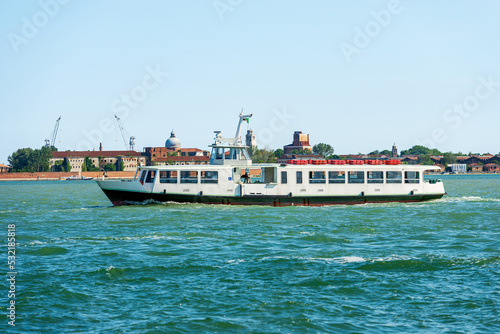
point(359, 75)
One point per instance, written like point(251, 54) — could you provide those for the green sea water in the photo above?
point(84, 266)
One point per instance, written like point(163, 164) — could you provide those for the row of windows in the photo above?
point(319, 177)
point(185, 176)
point(315, 177)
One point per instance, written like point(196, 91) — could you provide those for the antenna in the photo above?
point(52, 141)
point(243, 118)
point(131, 143)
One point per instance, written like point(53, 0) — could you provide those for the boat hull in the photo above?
point(120, 197)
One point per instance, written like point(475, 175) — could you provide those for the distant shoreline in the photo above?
point(54, 176)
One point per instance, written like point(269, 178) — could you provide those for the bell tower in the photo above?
point(251, 139)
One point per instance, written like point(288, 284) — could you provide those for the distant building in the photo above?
point(478, 159)
point(436, 159)
point(174, 154)
point(130, 159)
point(300, 142)
point(4, 168)
point(173, 142)
point(394, 151)
point(476, 168)
point(251, 139)
point(442, 169)
point(458, 168)
point(410, 159)
point(491, 168)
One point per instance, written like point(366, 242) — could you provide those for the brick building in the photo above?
point(394, 151)
point(130, 159)
point(174, 154)
point(478, 159)
point(491, 168)
point(4, 168)
point(476, 168)
point(300, 142)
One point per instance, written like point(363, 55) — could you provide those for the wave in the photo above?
point(37, 242)
point(393, 259)
point(77, 209)
point(466, 199)
point(150, 237)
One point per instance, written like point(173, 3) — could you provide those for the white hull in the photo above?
point(230, 187)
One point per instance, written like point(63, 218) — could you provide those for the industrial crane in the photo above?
point(131, 143)
point(52, 141)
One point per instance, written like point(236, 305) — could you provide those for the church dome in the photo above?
point(173, 142)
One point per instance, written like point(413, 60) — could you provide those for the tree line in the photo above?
point(267, 155)
point(327, 151)
point(38, 160)
point(31, 160)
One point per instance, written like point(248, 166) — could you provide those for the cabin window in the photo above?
point(151, 176)
point(189, 176)
point(412, 177)
point(317, 177)
point(375, 177)
point(252, 175)
point(356, 177)
point(299, 177)
point(143, 176)
point(209, 176)
point(230, 154)
point(270, 175)
point(393, 177)
point(245, 155)
point(283, 177)
point(336, 177)
point(219, 153)
point(168, 176)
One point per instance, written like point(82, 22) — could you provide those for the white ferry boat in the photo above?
point(232, 179)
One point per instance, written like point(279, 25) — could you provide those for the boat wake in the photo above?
point(467, 199)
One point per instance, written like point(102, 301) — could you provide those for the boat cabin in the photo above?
point(230, 155)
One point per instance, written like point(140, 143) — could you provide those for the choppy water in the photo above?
point(84, 266)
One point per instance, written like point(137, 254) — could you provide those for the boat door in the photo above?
point(238, 191)
point(147, 179)
point(270, 178)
